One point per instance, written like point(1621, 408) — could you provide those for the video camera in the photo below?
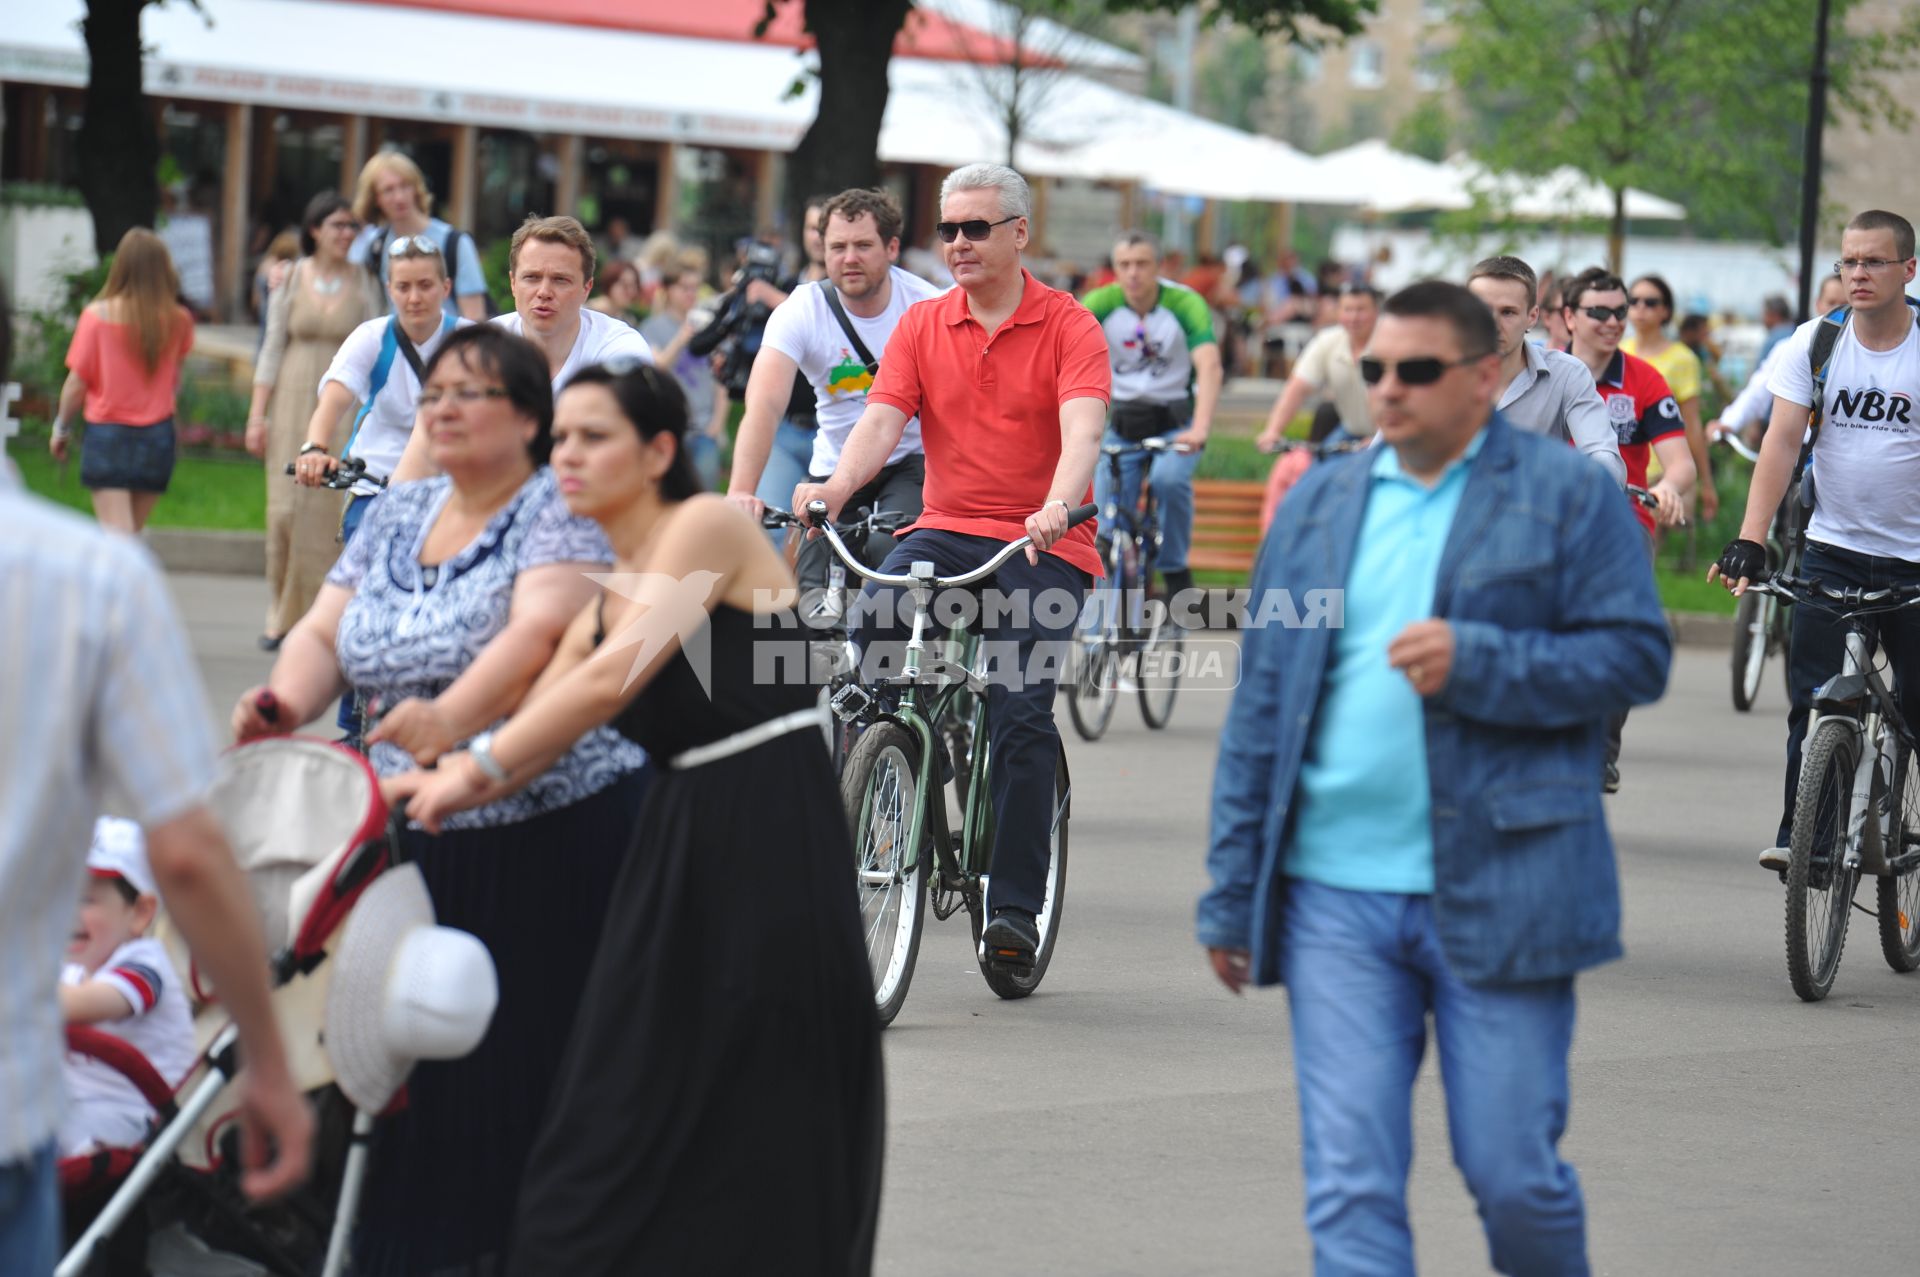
point(738, 322)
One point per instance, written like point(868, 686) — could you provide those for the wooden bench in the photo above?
point(1226, 525)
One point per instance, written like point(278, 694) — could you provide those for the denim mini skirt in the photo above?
point(136, 458)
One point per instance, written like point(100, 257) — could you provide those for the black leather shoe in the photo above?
point(1010, 938)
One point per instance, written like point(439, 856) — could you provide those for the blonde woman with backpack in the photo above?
point(123, 371)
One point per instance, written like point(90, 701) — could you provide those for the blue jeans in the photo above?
point(703, 450)
point(29, 1215)
point(1363, 970)
point(787, 468)
point(1172, 482)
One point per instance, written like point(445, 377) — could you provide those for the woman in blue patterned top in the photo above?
point(444, 609)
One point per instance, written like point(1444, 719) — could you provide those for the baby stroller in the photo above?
point(348, 932)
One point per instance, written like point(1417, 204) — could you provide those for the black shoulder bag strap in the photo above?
point(407, 352)
point(1819, 356)
point(846, 326)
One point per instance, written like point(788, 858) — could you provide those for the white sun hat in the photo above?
point(403, 990)
point(119, 850)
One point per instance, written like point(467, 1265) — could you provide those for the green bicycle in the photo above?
point(912, 852)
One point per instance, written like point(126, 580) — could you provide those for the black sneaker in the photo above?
point(1011, 939)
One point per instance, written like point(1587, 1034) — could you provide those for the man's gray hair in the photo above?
point(1016, 197)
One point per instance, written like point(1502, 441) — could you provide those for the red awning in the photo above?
point(927, 34)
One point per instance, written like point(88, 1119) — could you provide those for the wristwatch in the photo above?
point(305, 448)
point(480, 750)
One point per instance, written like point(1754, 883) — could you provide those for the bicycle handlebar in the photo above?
point(346, 472)
point(1739, 446)
point(1155, 444)
point(1642, 496)
point(878, 521)
point(1809, 590)
point(817, 514)
point(1320, 450)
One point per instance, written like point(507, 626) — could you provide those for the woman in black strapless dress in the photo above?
point(720, 1107)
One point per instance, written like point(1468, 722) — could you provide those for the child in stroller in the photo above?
point(119, 979)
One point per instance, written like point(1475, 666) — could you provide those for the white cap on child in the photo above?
point(120, 851)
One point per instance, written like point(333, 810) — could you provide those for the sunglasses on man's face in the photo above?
point(1601, 314)
point(1423, 371)
point(975, 229)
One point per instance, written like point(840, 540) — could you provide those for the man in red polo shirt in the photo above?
point(1645, 418)
point(1010, 381)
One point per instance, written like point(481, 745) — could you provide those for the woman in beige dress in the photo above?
point(322, 300)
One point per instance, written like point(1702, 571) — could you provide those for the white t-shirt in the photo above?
point(601, 338)
point(104, 1108)
point(804, 330)
point(1867, 457)
point(384, 433)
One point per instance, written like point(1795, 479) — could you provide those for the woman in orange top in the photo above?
point(124, 366)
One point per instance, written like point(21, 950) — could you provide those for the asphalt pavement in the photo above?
point(1134, 1118)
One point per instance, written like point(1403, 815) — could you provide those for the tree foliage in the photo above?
point(1301, 21)
point(855, 39)
point(1704, 103)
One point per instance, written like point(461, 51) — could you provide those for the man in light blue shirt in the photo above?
point(1406, 810)
point(1363, 782)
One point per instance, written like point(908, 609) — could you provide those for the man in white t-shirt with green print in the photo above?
point(839, 353)
point(1167, 375)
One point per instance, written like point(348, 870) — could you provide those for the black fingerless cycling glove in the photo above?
point(1744, 559)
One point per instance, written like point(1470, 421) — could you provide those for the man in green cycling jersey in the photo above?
point(1166, 384)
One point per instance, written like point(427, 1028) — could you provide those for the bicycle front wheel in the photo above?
point(1749, 648)
point(1898, 897)
point(880, 789)
point(1819, 884)
point(1006, 981)
point(1095, 684)
point(1157, 672)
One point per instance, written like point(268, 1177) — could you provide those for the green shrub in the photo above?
point(40, 365)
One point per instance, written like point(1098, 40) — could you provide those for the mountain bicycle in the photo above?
point(1763, 621)
point(1857, 809)
point(1132, 640)
point(908, 856)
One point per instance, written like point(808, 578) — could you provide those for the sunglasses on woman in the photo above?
point(1423, 371)
point(418, 245)
point(974, 229)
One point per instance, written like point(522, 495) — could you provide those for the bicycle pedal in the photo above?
point(1012, 959)
point(851, 703)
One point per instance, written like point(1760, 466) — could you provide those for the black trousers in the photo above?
point(1027, 623)
point(1820, 646)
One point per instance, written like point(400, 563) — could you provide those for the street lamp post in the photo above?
point(1810, 167)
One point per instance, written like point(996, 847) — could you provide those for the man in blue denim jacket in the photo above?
point(1406, 813)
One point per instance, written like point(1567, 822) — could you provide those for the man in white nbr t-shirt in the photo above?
point(550, 262)
point(862, 233)
point(1866, 470)
point(374, 367)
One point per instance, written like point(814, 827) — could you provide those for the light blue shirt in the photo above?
point(104, 711)
point(1363, 811)
point(469, 279)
